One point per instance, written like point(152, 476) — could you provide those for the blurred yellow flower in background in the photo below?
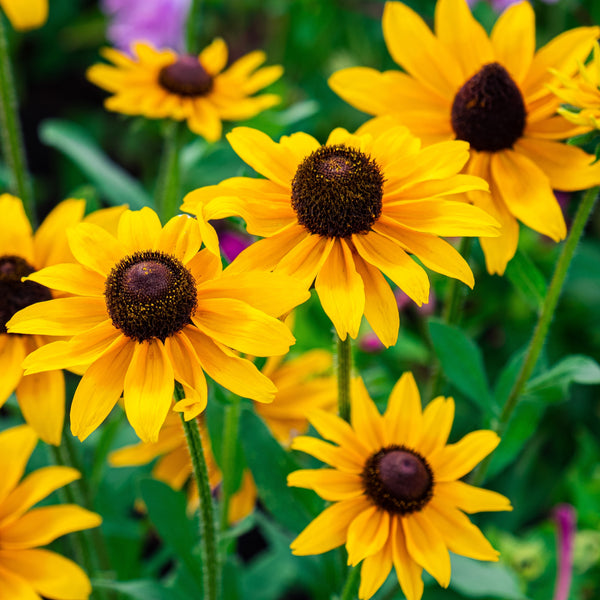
point(25, 14)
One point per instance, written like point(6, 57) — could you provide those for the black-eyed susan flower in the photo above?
point(161, 84)
point(175, 468)
point(491, 91)
point(25, 15)
point(396, 490)
point(346, 213)
point(41, 396)
point(581, 93)
point(26, 570)
point(147, 309)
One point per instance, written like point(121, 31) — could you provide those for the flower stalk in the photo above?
point(344, 372)
point(545, 318)
point(193, 27)
point(349, 591)
point(167, 187)
point(11, 137)
point(208, 530)
point(228, 458)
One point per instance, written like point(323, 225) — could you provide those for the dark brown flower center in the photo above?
point(150, 295)
point(186, 77)
point(398, 480)
point(337, 191)
point(14, 293)
point(488, 111)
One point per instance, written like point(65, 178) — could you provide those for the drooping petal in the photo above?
point(148, 388)
point(329, 529)
point(403, 418)
point(341, 290)
point(366, 420)
point(12, 353)
point(471, 499)
point(15, 229)
point(367, 534)
point(407, 569)
point(330, 484)
point(374, 571)
point(16, 446)
point(100, 388)
point(49, 574)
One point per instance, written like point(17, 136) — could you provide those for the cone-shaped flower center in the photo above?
point(15, 294)
point(150, 295)
point(337, 191)
point(186, 77)
point(398, 480)
point(488, 111)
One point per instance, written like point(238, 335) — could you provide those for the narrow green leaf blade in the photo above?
point(527, 279)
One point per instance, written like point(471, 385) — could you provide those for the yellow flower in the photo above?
point(160, 84)
point(175, 468)
point(581, 93)
point(492, 92)
point(396, 490)
point(347, 213)
point(27, 571)
point(41, 396)
point(148, 309)
point(23, 15)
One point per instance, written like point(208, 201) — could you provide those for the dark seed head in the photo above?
point(337, 191)
point(15, 294)
point(186, 77)
point(398, 480)
point(488, 110)
point(150, 295)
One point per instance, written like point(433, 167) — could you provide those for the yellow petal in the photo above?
point(329, 529)
point(214, 57)
point(15, 230)
point(100, 388)
point(374, 572)
point(35, 487)
point(48, 573)
point(513, 38)
point(138, 230)
point(180, 238)
point(403, 418)
point(438, 417)
point(41, 526)
point(471, 499)
point(95, 248)
point(25, 16)
point(204, 266)
point(407, 569)
point(366, 420)
point(305, 260)
point(327, 453)
point(367, 534)
point(42, 401)
point(71, 278)
point(16, 446)
point(455, 460)
point(330, 484)
point(12, 353)
point(148, 388)
point(12, 586)
point(341, 290)
point(426, 546)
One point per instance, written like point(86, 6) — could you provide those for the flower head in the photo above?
point(491, 91)
point(23, 252)
point(27, 571)
point(395, 486)
point(161, 84)
point(148, 309)
point(25, 15)
point(347, 212)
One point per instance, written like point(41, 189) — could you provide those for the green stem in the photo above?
point(228, 457)
point(167, 187)
point(344, 372)
point(545, 318)
point(193, 28)
point(208, 530)
point(349, 591)
point(11, 136)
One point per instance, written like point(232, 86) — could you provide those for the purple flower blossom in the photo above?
point(500, 5)
point(157, 22)
point(565, 519)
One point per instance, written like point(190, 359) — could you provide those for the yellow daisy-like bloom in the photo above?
point(174, 466)
point(27, 571)
point(160, 84)
point(148, 309)
point(395, 486)
point(41, 396)
point(25, 15)
point(345, 213)
point(491, 91)
point(582, 93)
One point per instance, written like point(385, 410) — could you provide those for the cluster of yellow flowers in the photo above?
point(467, 140)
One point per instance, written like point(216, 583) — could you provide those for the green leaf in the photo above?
point(270, 464)
point(476, 579)
point(461, 362)
point(527, 279)
point(553, 384)
point(167, 511)
point(140, 589)
point(114, 183)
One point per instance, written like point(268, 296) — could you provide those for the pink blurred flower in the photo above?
point(158, 22)
point(500, 5)
point(565, 518)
